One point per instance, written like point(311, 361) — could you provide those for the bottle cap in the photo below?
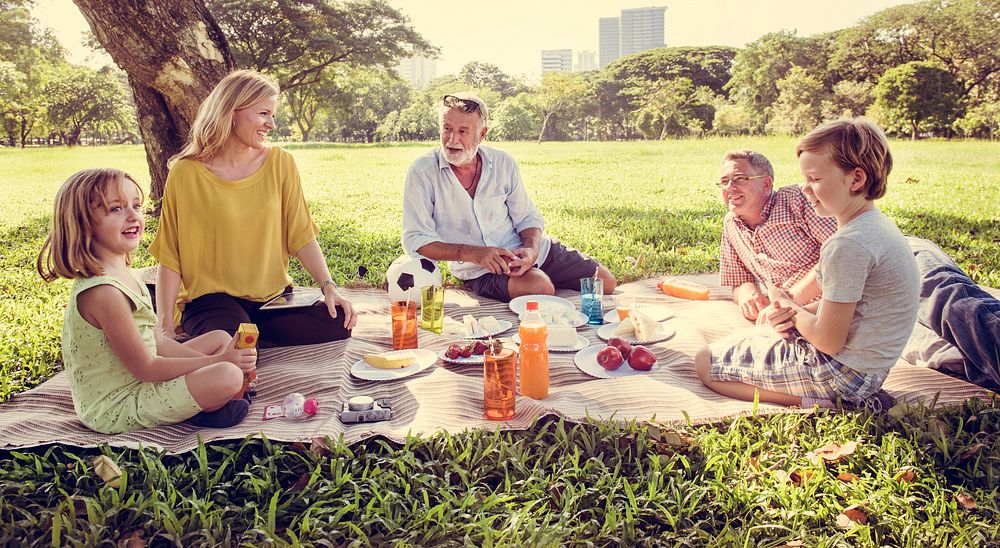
point(360, 403)
point(531, 305)
point(310, 407)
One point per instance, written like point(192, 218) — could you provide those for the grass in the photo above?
point(641, 208)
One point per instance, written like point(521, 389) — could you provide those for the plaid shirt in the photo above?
point(782, 249)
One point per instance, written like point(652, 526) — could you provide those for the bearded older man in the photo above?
point(466, 204)
point(774, 236)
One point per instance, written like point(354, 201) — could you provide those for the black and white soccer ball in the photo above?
point(411, 272)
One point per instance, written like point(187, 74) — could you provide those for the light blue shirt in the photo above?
point(437, 209)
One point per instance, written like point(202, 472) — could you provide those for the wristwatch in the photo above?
point(326, 283)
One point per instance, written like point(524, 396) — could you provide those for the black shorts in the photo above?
point(285, 327)
point(564, 266)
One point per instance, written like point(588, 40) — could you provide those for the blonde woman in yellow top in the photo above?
point(232, 214)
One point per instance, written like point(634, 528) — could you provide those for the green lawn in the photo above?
point(643, 209)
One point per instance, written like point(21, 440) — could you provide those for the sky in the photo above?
point(512, 33)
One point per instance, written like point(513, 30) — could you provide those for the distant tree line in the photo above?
point(926, 69)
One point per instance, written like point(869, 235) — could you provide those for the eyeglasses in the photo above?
point(737, 180)
point(465, 105)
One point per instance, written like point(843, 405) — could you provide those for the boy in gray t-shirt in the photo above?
point(843, 346)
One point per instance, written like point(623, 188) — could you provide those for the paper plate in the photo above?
point(475, 359)
point(425, 358)
point(655, 311)
point(581, 343)
point(586, 361)
point(520, 304)
point(607, 331)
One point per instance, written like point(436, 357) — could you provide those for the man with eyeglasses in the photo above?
point(768, 236)
point(774, 236)
point(466, 204)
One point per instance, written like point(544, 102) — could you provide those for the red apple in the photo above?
point(622, 345)
point(642, 358)
point(610, 358)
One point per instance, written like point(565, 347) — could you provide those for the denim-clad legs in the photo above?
point(959, 311)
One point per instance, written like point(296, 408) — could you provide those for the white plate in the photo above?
point(581, 319)
point(475, 359)
point(586, 361)
point(504, 326)
point(519, 304)
point(655, 311)
point(607, 331)
point(581, 343)
point(425, 358)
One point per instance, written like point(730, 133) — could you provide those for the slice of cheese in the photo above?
point(489, 324)
point(646, 328)
point(559, 335)
point(471, 325)
point(625, 328)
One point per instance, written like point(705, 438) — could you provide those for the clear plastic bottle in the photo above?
point(294, 407)
point(534, 354)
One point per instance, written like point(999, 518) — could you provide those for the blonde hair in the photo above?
point(853, 143)
point(68, 251)
point(214, 122)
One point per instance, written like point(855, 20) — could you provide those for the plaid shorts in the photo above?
point(790, 366)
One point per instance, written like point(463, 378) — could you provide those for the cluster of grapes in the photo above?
point(474, 348)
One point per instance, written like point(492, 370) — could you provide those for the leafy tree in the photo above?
point(560, 94)
point(759, 66)
point(959, 35)
point(848, 99)
point(799, 105)
point(298, 40)
point(982, 120)
point(731, 119)
point(672, 107)
point(367, 96)
point(481, 75)
point(79, 98)
point(918, 96)
point(514, 119)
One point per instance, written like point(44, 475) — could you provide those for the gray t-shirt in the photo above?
point(869, 262)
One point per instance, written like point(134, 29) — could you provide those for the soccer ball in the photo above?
point(411, 272)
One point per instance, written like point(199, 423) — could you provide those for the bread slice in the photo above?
point(625, 328)
point(471, 325)
point(489, 324)
point(562, 336)
point(646, 328)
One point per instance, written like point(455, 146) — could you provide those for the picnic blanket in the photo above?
point(450, 398)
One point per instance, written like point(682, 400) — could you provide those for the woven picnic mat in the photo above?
point(450, 398)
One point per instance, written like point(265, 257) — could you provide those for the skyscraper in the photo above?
point(418, 71)
point(642, 29)
point(557, 60)
point(610, 40)
point(636, 30)
point(585, 60)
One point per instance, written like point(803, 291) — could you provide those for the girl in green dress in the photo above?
point(122, 373)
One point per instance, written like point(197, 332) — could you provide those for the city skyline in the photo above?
point(512, 36)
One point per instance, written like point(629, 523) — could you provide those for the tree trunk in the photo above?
point(913, 130)
point(545, 122)
point(174, 53)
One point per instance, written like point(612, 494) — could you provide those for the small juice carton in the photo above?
point(247, 336)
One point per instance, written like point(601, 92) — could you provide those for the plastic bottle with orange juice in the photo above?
point(534, 354)
point(248, 336)
point(683, 289)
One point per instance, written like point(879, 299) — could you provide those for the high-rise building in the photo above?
point(642, 29)
point(610, 40)
point(418, 71)
point(560, 60)
point(636, 30)
point(585, 60)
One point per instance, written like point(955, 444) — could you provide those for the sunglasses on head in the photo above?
point(465, 105)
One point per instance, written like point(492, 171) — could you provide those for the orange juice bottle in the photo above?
point(534, 354)
point(683, 289)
